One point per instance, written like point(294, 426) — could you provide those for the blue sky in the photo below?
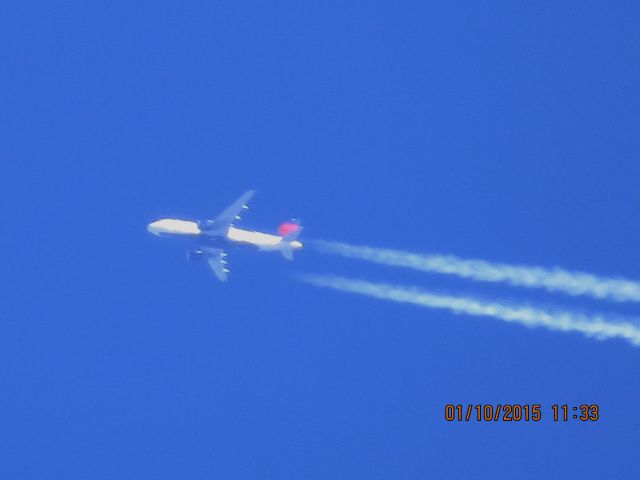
point(500, 130)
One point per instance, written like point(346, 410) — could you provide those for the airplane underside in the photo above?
point(213, 237)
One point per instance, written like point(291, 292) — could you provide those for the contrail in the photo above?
point(596, 326)
point(553, 280)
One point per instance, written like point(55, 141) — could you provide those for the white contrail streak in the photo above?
point(596, 326)
point(553, 280)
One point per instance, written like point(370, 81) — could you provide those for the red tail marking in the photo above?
point(287, 228)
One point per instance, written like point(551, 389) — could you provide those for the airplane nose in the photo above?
point(153, 228)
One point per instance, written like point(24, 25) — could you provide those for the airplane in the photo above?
point(212, 236)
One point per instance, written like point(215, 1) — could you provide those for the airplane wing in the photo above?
point(221, 223)
point(217, 262)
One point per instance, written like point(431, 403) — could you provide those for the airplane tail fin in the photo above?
point(293, 235)
point(286, 229)
point(289, 232)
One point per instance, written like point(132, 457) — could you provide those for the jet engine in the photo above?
point(195, 255)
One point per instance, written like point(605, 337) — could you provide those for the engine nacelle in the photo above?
point(196, 255)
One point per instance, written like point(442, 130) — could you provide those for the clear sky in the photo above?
point(500, 130)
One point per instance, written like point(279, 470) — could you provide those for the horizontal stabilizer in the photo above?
point(287, 252)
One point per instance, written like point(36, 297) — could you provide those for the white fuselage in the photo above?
point(264, 241)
